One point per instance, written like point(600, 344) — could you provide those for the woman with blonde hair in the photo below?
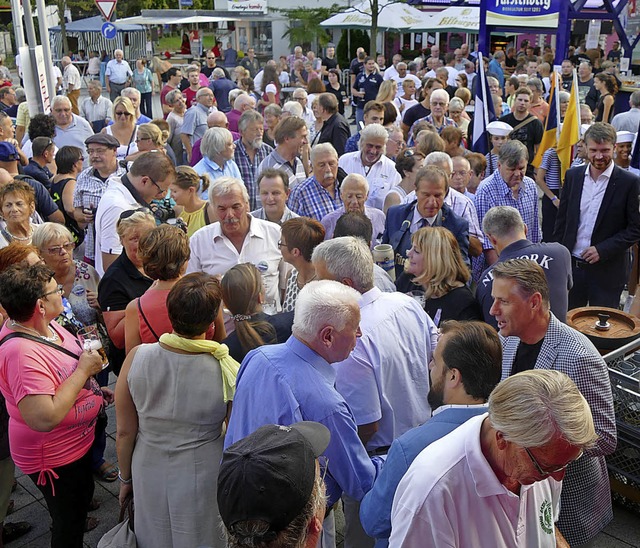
point(123, 127)
point(435, 265)
point(149, 138)
point(243, 296)
point(196, 212)
point(387, 94)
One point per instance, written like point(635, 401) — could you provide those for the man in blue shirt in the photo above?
point(295, 381)
point(365, 87)
point(466, 366)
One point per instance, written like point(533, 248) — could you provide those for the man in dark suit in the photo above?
point(535, 339)
point(335, 128)
point(428, 209)
point(598, 221)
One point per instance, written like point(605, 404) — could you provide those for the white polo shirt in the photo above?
point(450, 496)
point(382, 176)
point(212, 252)
point(115, 199)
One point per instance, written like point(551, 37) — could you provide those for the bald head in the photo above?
point(244, 102)
point(217, 119)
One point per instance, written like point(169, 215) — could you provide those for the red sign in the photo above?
point(106, 8)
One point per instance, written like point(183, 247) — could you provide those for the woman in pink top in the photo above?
point(52, 399)
point(164, 252)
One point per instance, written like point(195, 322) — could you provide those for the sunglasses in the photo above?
point(122, 113)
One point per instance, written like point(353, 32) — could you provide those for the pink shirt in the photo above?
point(30, 368)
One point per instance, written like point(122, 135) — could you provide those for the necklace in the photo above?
point(21, 238)
point(53, 338)
point(300, 286)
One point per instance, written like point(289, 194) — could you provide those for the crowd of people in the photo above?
point(220, 262)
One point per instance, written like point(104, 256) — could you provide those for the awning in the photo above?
point(453, 19)
point(393, 16)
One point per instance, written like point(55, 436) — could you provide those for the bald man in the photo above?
point(215, 119)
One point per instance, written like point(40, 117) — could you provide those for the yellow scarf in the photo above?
point(228, 366)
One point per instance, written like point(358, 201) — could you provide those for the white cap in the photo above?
point(499, 129)
point(583, 129)
point(625, 137)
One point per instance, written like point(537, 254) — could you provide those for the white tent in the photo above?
point(453, 19)
point(392, 16)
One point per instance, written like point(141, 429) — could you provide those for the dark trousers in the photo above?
point(549, 214)
point(68, 508)
point(115, 90)
point(592, 286)
point(145, 105)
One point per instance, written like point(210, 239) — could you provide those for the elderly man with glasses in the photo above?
point(71, 129)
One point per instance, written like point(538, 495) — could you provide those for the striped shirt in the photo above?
point(295, 171)
point(551, 163)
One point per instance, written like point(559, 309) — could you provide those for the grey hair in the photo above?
point(218, 72)
point(50, 231)
point(118, 51)
point(532, 407)
point(94, 84)
point(128, 92)
point(635, 99)
point(235, 93)
point(502, 221)
point(565, 96)
point(214, 140)
point(300, 93)
point(249, 117)
point(357, 178)
point(512, 153)
point(202, 91)
point(292, 107)
point(373, 131)
point(242, 98)
point(439, 94)
point(456, 102)
point(60, 99)
point(322, 303)
point(136, 219)
point(347, 257)
point(536, 83)
point(324, 148)
point(226, 185)
point(171, 96)
point(438, 158)
point(274, 109)
point(248, 534)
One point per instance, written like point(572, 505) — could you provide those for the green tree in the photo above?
point(85, 7)
point(359, 39)
point(304, 28)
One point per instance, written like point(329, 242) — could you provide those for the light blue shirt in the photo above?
point(288, 383)
point(214, 171)
point(375, 510)
point(118, 72)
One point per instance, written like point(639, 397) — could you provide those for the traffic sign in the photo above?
point(106, 8)
point(109, 31)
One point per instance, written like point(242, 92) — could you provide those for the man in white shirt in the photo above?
point(404, 75)
point(498, 476)
point(385, 378)
point(238, 238)
point(391, 73)
point(71, 82)
point(148, 179)
point(96, 109)
point(300, 95)
point(371, 162)
point(117, 74)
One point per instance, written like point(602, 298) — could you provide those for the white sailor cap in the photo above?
point(625, 137)
point(583, 129)
point(499, 129)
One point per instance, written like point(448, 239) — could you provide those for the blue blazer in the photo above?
point(397, 231)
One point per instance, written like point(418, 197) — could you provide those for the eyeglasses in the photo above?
point(400, 142)
point(281, 244)
point(59, 290)
point(129, 212)
point(58, 249)
point(210, 58)
point(160, 189)
point(549, 472)
point(123, 113)
point(138, 139)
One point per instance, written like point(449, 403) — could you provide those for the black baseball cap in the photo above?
point(269, 475)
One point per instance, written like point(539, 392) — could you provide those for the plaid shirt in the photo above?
point(493, 191)
point(445, 123)
point(309, 199)
point(87, 194)
point(249, 170)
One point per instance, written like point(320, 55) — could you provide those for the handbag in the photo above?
point(122, 535)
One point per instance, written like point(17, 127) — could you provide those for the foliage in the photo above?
point(359, 39)
point(304, 25)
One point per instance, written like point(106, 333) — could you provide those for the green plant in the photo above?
point(359, 39)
